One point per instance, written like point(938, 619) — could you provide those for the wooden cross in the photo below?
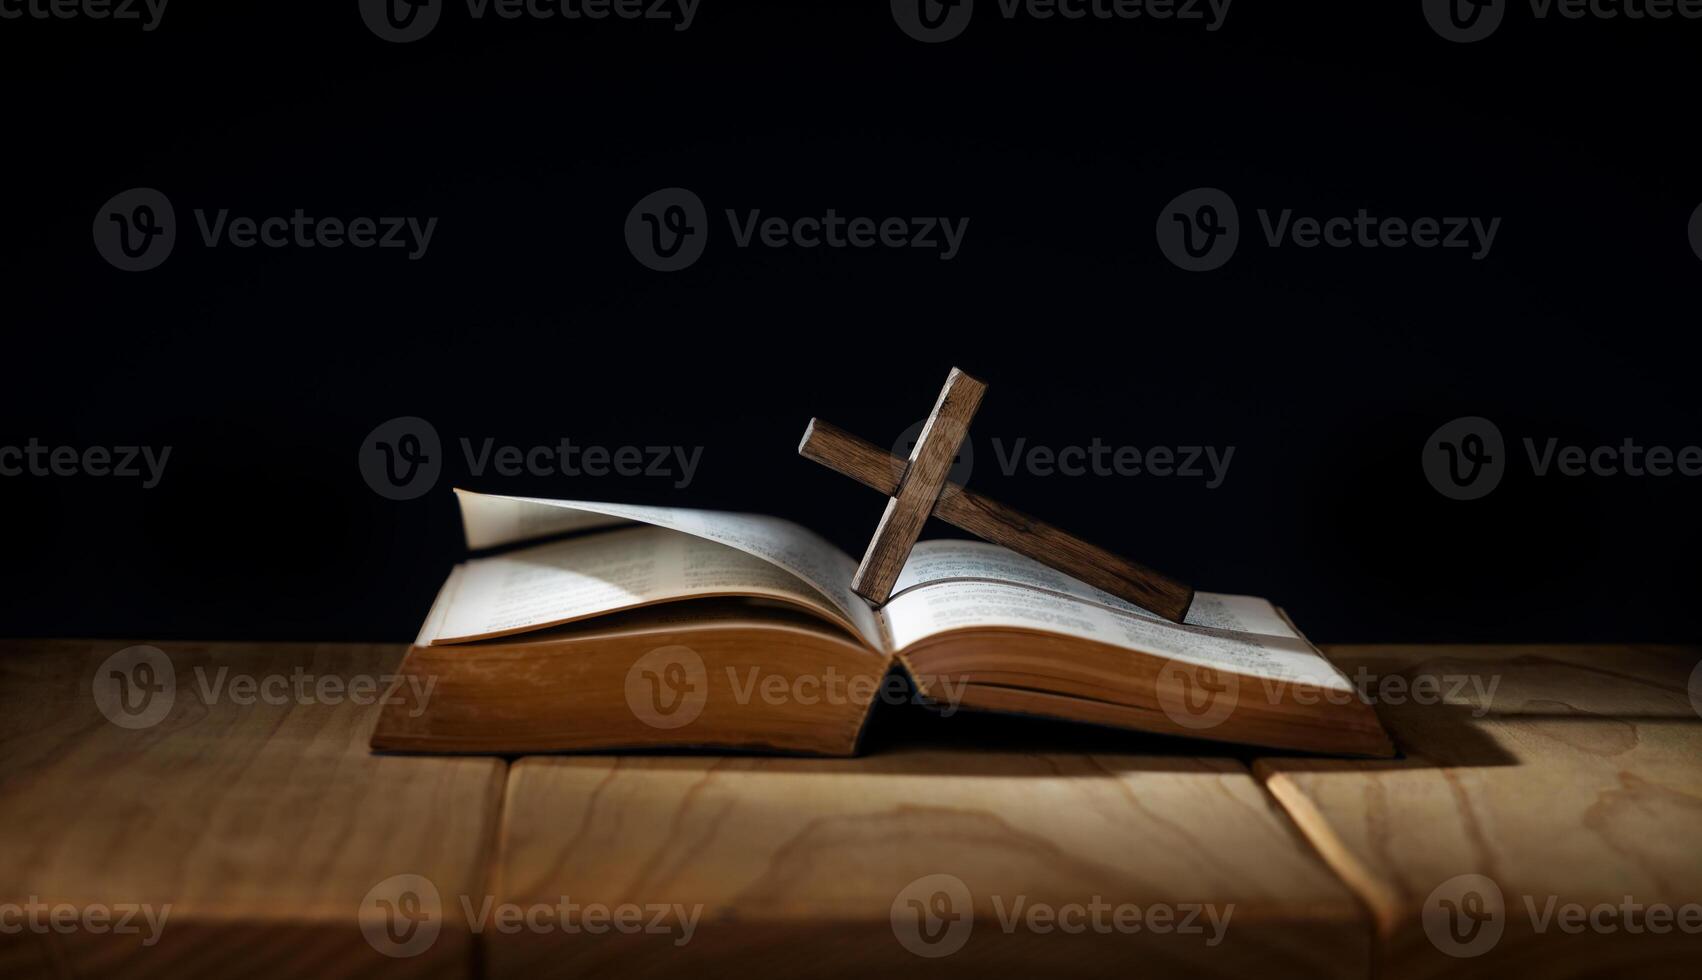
point(919, 489)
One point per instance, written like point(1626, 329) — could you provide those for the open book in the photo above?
point(667, 627)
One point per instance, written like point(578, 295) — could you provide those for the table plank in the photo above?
point(1579, 780)
point(267, 826)
point(811, 866)
point(264, 826)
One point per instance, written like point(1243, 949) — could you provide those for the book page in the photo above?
point(439, 608)
point(947, 560)
point(492, 520)
point(603, 573)
point(944, 606)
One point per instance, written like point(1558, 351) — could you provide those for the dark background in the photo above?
point(528, 320)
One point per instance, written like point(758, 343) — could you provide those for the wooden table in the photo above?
point(281, 844)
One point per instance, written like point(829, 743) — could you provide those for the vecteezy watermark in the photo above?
point(402, 459)
point(1696, 231)
point(1473, 691)
point(1465, 459)
point(1098, 458)
point(62, 919)
point(667, 230)
point(146, 13)
point(1696, 689)
point(1199, 230)
point(1199, 697)
point(934, 916)
point(136, 688)
point(933, 21)
point(668, 688)
point(1094, 458)
point(136, 230)
point(33, 458)
point(757, 685)
point(402, 21)
point(403, 915)
point(1195, 696)
point(1466, 21)
point(1467, 915)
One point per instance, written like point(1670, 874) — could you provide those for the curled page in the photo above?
point(491, 520)
point(636, 565)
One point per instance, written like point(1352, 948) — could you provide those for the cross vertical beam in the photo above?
point(908, 510)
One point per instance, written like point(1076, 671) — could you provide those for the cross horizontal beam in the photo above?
point(848, 455)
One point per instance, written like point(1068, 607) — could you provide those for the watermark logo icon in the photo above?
point(401, 21)
point(135, 230)
point(402, 915)
point(1696, 231)
point(667, 687)
point(1464, 21)
point(667, 229)
point(1197, 697)
point(932, 21)
point(1465, 915)
point(402, 458)
point(135, 687)
point(1696, 689)
point(1199, 229)
point(933, 915)
point(1465, 459)
point(962, 465)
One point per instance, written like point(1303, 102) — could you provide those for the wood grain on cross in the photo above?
point(919, 489)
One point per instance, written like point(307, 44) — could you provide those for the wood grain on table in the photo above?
point(263, 826)
point(825, 867)
point(1577, 783)
point(272, 832)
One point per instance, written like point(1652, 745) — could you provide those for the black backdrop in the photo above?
point(528, 320)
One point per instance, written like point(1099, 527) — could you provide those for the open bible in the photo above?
point(648, 627)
